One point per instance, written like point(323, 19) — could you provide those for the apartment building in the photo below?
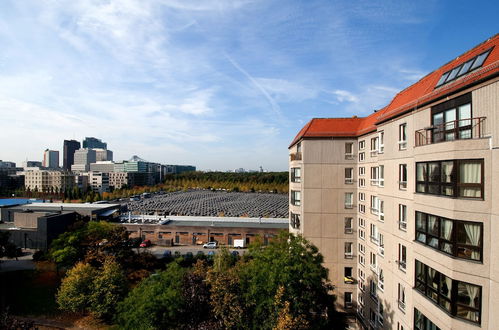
point(99, 181)
point(48, 181)
point(402, 203)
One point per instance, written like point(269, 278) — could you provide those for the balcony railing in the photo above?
point(295, 156)
point(472, 128)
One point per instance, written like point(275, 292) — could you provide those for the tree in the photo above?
point(76, 288)
point(109, 288)
point(7, 248)
point(155, 303)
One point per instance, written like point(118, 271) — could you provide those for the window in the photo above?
point(402, 261)
point(373, 289)
point(298, 147)
point(362, 183)
point(362, 234)
point(362, 223)
point(362, 197)
point(349, 150)
point(381, 210)
point(374, 176)
point(362, 208)
point(372, 262)
point(361, 260)
point(348, 300)
point(362, 156)
point(421, 322)
point(374, 205)
point(348, 225)
point(401, 297)
point(348, 275)
point(381, 175)
point(295, 220)
point(362, 248)
point(348, 250)
point(459, 299)
point(295, 174)
point(381, 280)
point(362, 171)
point(403, 176)
point(462, 69)
point(374, 234)
point(348, 200)
point(374, 146)
point(349, 175)
point(454, 178)
point(362, 275)
point(402, 217)
point(381, 248)
point(402, 136)
point(362, 145)
point(381, 146)
point(295, 197)
point(452, 120)
point(461, 239)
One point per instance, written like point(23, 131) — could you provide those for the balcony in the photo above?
point(295, 156)
point(464, 129)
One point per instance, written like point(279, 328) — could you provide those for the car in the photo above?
point(211, 253)
point(167, 254)
point(145, 243)
point(210, 245)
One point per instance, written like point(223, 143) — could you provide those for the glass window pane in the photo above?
point(433, 225)
point(470, 172)
point(442, 78)
point(466, 67)
point(447, 168)
point(452, 74)
point(434, 172)
point(421, 172)
point(479, 60)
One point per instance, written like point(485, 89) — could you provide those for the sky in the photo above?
point(219, 84)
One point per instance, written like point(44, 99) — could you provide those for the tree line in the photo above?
point(279, 286)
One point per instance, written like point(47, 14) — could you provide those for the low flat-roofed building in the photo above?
point(184, 230)
point(93, 211)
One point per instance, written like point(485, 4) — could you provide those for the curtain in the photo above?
point(473, 236)
point(472, 292)
point(446, 229)
point(470, 173)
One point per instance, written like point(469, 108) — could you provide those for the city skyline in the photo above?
point(218, 84)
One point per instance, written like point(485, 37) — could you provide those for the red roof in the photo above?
point(422, 92)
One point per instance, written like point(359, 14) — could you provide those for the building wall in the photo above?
point(322, 187)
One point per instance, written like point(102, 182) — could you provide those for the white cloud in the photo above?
point(345, 96)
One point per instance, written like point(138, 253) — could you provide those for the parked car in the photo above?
point(210, 245)
point(146, 243)
point(167, 254)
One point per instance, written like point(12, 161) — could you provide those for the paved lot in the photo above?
point(25, 262)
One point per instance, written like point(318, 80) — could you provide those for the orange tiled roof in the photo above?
point(422, 92)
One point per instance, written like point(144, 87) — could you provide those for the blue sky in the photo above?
point(217, 84)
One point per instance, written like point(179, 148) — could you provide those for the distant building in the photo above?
point(118, 180)
point(4, 164)
point(47, 180)
point(177, 169)
point(31, 163)
point(51, 159)
point(99, 182)
point(81, 181)
point(70, 146)
point(93, 143)
point(103, 154)
point(82, 160)
point(102, 166)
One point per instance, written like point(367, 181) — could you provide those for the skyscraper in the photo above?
point(51, 158)
point(70, 146)
point(93, 143)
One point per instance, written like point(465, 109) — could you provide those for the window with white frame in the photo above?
point(374, 205)
point(348, 200)
point(349, 150)
point(360, 299)
point(381, 146)
point(380, 313)
point(381, 210)
point(362, 208)
point(381, 174)
point(362, 223)
point(362, 197)
point(349, 175)
point(362, 260)
point(381, 248)
point(374, 146)
point(348, 250)
point(373, 290)
point(296, 197)
point(401, 297)
point(362, 171)
point(403, 136)
point(362, 234)
point(348, 225)
point(295, 174)
point(362, 248)
point(373, 261)
point(295, 220)
point(348, 300)
point(402, 261)
point(362, 286)
point(403, 217)
point(374, 176)
point(362, 156)
point(381, 280)
point(362, 274)
point(374, 233)
point(403, 176)
point(362, 145)
point(362, 182)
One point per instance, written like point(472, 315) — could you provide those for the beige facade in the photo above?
point(47, 181)
point(424, 209)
